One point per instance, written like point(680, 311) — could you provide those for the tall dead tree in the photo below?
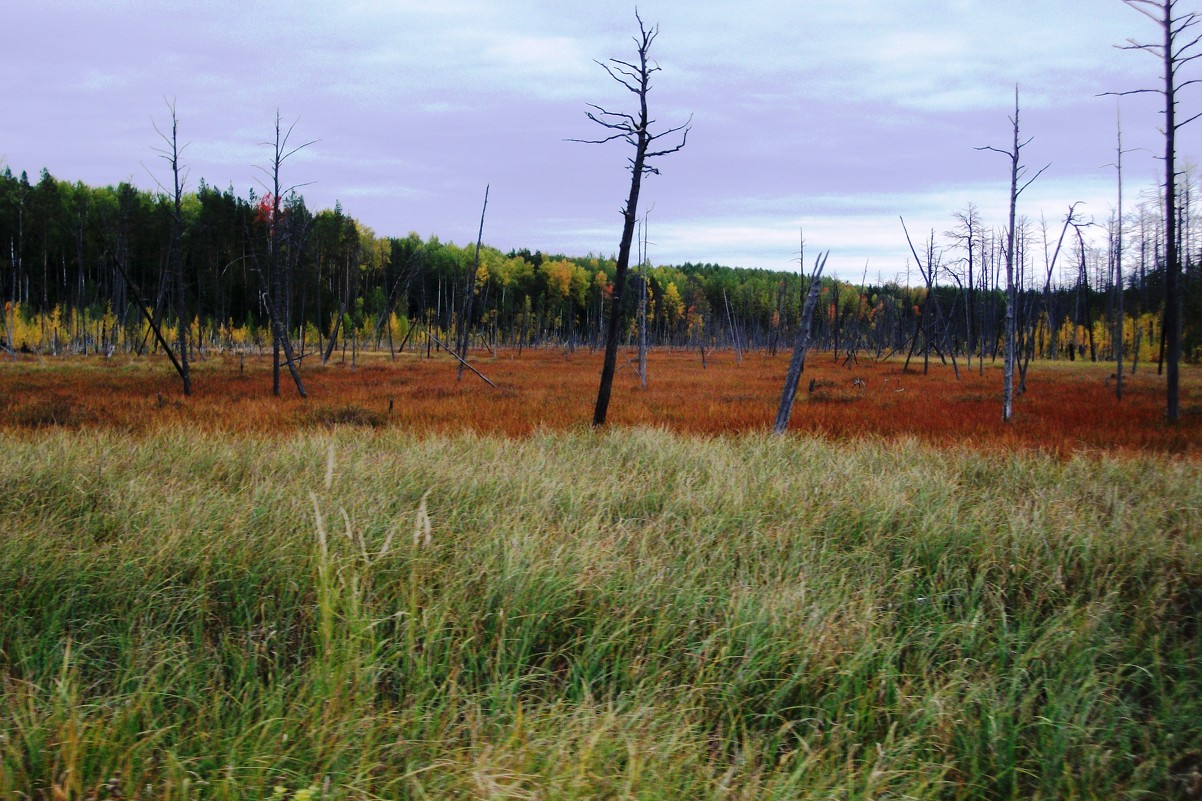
point(967, 232)
point(170, 152)
point(1179, 45)
point(928, 270)
point(1017, 172)
point(275, 300)
point(174, 265)
point(465, 322)
point(1117, 248)
point(643, 260)
point(800, 346)
point(635, 130)
point(1049, 262)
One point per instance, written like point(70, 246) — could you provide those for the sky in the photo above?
point(832, 118)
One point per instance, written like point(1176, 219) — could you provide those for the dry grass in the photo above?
point(584, 615)
point(1069, 407)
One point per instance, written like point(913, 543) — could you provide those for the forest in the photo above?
point(81, 262)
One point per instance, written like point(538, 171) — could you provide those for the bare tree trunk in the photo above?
point(1118, 268)
point(1011, 325)
point(800, 346)
point(274, 297)
point(643, 307)
point(463, 363)
point(465, 324)
point(170, 152)
point(734, 332)
point(325, 357)
point(636, 78)
point(1175, 50)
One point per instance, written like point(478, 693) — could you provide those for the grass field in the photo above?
point(199, 600)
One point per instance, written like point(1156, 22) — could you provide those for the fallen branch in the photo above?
point(461, 361)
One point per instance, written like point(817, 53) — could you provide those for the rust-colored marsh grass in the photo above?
point(1068, 407)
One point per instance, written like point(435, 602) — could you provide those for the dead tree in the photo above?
point(154, 326)
point(325, 356)
point(170, 152)
point(635, 130)
point(1070, 219)
point(273, 293)
point(968, 234)
point(1179, 46)
point(929, 273)
point(643, 305)
point(734, 331)
point(800, 346)
point(1118, 262)
point(1017, 171)
point(465, 323)
point(1083, 307)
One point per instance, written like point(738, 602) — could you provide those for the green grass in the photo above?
point(631, 614)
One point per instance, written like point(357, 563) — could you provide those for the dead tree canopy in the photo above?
point(635, 130)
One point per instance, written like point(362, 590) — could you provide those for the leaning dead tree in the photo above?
point(1017, 172)
point(635, 130)
point(465, 324)
point(800, 346)
point(1179, 45)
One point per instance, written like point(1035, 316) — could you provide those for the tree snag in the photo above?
point(1017, 171)
point(1178, 47)
point(273, 293)
point(465, 323)
point(170, 152)
point(634, 129)
point(800, 346)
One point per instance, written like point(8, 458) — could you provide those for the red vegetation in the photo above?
point(1068, 407)
point(265, 209)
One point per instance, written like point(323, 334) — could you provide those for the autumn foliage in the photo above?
point(1067, 407)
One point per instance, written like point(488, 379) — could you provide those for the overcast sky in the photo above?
point(835, 116)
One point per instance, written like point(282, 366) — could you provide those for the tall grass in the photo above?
point(633, 614)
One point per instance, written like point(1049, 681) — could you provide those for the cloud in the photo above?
point(857, 228)
point(835, 116)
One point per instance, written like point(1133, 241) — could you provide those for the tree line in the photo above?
point(76, 256)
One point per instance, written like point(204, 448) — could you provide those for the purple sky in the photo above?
point(833, 116)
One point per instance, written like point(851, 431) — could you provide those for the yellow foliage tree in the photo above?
point(672, 305)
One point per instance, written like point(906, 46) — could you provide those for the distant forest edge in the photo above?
point(78, 259)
